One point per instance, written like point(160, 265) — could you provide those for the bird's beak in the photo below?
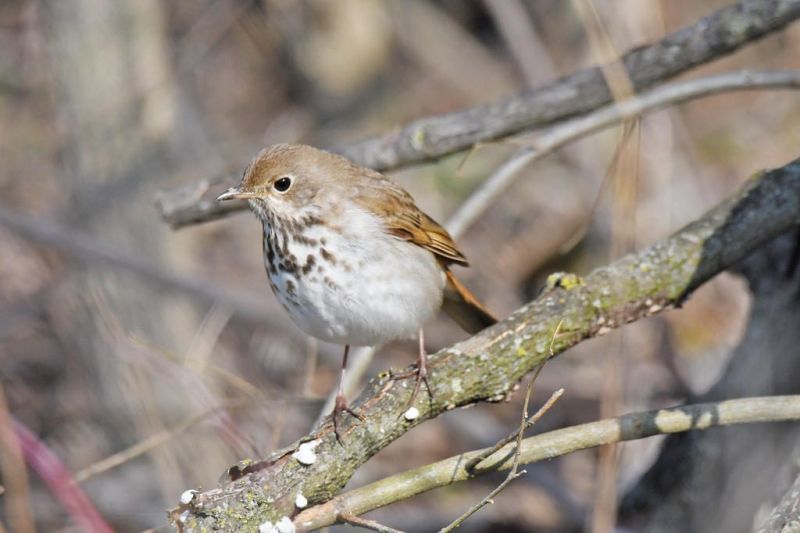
point(235, 193)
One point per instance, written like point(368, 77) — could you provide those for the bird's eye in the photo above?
point(282, 184)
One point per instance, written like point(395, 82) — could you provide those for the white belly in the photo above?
point(367, 288)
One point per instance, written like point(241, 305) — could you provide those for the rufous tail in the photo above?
point(464, 307)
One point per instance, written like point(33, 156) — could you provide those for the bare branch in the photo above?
point(539, 145)
point(428, 138)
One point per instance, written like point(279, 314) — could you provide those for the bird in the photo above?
point(351, 257)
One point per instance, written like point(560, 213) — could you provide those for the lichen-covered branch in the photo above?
point(487, 366)
point(428, 138)
point(554, 444)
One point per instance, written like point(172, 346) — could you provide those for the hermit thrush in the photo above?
point(350, 256)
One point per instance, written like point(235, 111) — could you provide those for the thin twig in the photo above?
point(550, 140)
point(524, 424)
point(372, 525)
point(535, 418)
point(475, 463)
point(522, 40)
point(148, 444)
point(514, 473)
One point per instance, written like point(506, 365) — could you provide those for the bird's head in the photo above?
point(288, 181)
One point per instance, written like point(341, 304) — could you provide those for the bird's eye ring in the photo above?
point(282, 184)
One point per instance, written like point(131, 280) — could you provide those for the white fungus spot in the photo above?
point(285, 525)
point(267, 527)
point(183, 517)
point(187, 496)
point(456, 385)
point(305, 453)
point(300, 501)
point(411, 414)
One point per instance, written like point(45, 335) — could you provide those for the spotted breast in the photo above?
point(346, 280)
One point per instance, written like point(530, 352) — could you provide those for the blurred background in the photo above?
point(149, 360)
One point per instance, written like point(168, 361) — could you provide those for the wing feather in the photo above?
point(405, 220)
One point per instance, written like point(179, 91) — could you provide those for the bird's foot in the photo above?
point(421, 376)
point(339, 408)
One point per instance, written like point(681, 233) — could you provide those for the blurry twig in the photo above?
point(121, 457)
point(204, 341)
point(442, 46)
point(518, 32)
point(553, 444)
point(16, 492)
point(60, 482)
point(137, 352)
point(558, 136)
point(86, 249)
point(625, 172)
point(527, 424)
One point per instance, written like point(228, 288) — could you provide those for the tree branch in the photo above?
point(549, 445)
point(427, 138)
point(487, 366)
point(572, 130)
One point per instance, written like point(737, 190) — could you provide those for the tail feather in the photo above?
point(463, 307)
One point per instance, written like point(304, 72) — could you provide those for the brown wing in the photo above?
point(404, 220)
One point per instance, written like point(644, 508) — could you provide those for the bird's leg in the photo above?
point(421, 373)
point(340, 405)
